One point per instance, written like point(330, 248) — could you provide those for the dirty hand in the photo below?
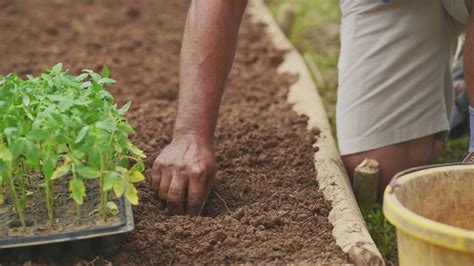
point(184, 173)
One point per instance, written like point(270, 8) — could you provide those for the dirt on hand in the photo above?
point(267, 206)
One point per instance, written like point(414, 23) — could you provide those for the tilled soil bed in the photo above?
point(266, 206)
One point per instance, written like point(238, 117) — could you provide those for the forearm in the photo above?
point(207, 53)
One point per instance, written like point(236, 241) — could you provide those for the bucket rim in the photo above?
point(419, 226)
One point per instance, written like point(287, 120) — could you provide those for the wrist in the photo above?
point(189, 133)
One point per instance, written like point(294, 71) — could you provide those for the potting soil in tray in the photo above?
point(66, 227)
point(266, 207)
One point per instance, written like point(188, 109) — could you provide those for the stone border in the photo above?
point(350, 230)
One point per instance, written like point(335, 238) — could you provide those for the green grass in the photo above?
point(382, 232)
point(455, 150)
point(315, 33)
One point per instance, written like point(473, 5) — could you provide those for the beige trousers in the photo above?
point(394, 70)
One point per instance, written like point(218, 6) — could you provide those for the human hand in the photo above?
point(184, 173)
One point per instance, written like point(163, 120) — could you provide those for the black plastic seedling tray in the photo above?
point(63, 252)
point(122, 223)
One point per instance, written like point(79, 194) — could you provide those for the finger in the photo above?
point(197, 195)
point(211, 181)
point(165, 184)
point(176, 194)
point(155, 177)
point(210, 185)
point(198, 192)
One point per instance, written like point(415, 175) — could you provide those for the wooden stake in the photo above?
point(366, 181)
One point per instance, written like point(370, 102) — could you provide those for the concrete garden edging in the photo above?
point(350, 231)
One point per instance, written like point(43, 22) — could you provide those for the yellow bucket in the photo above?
point(433, 211)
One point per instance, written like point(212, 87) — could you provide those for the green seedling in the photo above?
point(64, 128)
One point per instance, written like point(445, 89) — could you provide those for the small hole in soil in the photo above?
point(16, 224)
point(215, 206)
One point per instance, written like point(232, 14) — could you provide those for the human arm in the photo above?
point(186, 168)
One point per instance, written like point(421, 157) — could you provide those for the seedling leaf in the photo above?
point(22, 146)
point(26, 100)
point(86, 85)
point(38, 135)
point(5, 154)
point(81, 77)
point(61, 171)
point(107, 125)
point(119, 186)
point(48, 167)
point(112, 208)
point(126, 127)
point(135, 176)
point(106, 81)
point(124, 109)
point(109, 180)
point(78, 190)
point(82, 134)
point(136, 151)
point(57, 68)
point(105, 72)
point(87, 172)
point(131, 194)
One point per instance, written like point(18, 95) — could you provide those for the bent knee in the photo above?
point(397, 157)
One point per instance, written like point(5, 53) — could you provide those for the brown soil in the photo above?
point(266, 207)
